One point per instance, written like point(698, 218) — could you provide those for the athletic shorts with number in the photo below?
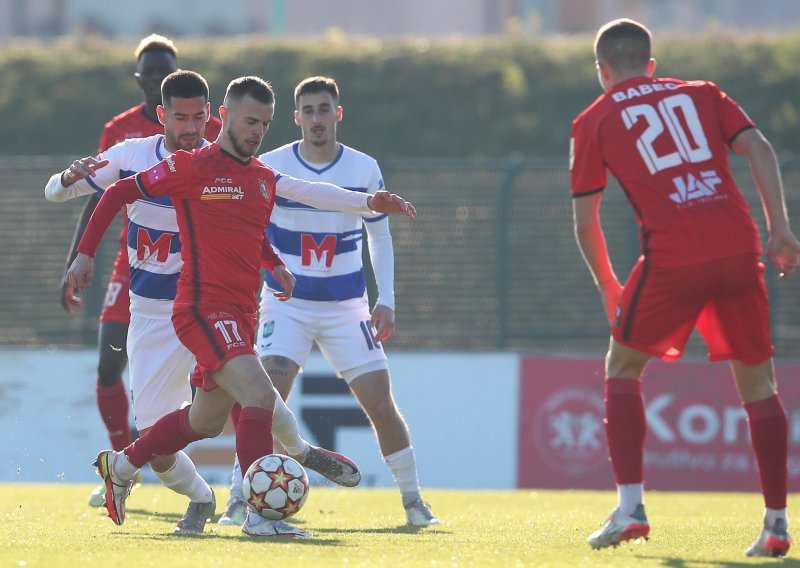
point(215, 334)
point(726, 299)
point(159, 367)
point(342, 330)
point(116, 305)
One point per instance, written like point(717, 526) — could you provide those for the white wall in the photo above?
point(455, 404)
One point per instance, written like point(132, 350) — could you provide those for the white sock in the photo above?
point(630, 495)
point(771, 515)
point(403, 465)
point(123, 468)
point(285, 429)
point(183, 478)
point(236, 481)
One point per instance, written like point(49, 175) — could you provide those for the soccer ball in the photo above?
point(275, 486)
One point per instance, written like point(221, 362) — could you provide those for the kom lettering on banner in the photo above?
point(697, 432)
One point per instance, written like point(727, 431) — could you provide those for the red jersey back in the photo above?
point(666, 140)
point(223, 206)
point(134, 123)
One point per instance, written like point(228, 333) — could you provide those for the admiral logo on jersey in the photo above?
point(223, 192)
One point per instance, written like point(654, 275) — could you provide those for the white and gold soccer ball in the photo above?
point(275, 486)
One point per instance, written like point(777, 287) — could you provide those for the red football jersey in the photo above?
point(665, 140)
point(223, 206)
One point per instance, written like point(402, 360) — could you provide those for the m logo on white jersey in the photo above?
point(149, 251)
point(693, 188)
point(317, 256)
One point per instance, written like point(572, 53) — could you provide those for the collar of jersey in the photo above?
point(296, 149)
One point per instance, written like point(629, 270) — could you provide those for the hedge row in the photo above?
point(404, 98)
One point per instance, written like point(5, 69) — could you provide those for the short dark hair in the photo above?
point(155, 42)
point(317, 84)
point(184, 85)
point(623, 44)
point(251, 86)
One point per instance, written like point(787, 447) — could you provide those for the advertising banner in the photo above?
point(698, 437)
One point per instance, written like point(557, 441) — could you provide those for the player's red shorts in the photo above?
point(117, 303)
point(726, 299)
point(215, 334)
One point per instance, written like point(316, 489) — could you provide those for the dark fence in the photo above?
point(489, 264)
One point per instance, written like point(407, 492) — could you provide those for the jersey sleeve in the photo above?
point(321, 195)
point(586, 165)
point(171, 176)
point(122, 192)
point(97, 183)
point(732, 117)
point(375, 184)
point(269, 258)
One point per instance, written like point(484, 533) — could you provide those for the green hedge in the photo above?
point(466, 98)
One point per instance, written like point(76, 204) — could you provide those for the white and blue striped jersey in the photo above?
point(154, 246)
point(323, 248)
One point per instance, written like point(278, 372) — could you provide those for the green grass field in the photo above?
point(50, 525)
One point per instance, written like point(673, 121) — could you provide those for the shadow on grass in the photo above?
point(674, 562)
point(256, 540)
point(400, 529)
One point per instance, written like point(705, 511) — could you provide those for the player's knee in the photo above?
point(259, 394)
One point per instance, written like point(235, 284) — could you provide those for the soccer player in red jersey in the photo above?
point(666, 141)
point(223, 199)
point(156, 57)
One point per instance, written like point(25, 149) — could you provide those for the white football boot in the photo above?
point(419, 514)
point(256, 525)
point(620, 527)
point(773, 541)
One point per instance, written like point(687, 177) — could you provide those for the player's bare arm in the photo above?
point(80, 169)
point(592, 242)
point(783, 248)
point(384, 202)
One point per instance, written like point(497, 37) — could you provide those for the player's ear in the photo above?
point(160, 113)
point(297, 117)
point(208, 112)
point(223, 112)
point(651, 67)
point(339, 113)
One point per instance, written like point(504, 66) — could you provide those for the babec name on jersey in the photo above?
point(641, 90)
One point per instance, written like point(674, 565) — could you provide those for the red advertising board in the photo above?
point(697, 436)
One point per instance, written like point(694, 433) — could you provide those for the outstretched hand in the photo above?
point(384, 202)
point(83, 168)
point(783, 252)
point(80, 272)
point(287, 281)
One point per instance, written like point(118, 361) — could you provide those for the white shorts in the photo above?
point(342, 330)
point(159, 368)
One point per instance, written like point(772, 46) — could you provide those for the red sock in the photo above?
point(235, 412)
point(253, 435)
point(769, 431)
point(625, 429)
point(113, 404)
point(169, 435)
